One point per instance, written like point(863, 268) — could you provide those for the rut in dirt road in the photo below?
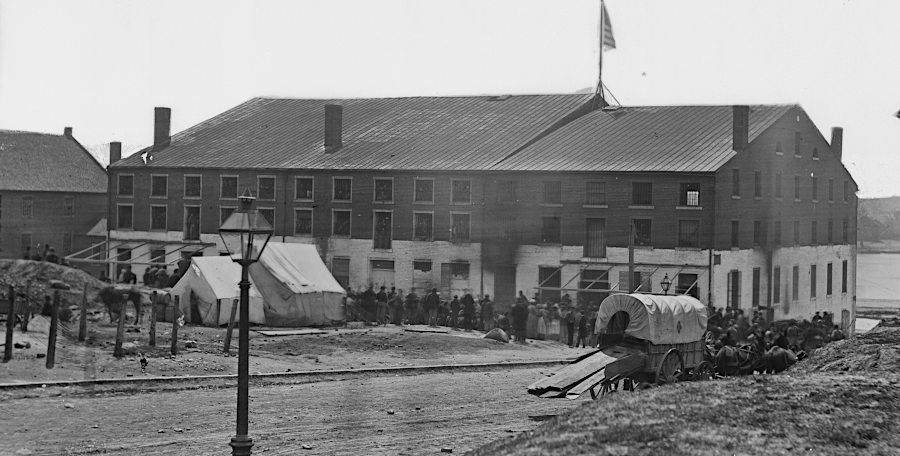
point(458, 410)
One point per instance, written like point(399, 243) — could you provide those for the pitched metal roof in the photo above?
point(657, 138)
point(425, 133)
point(44, 162)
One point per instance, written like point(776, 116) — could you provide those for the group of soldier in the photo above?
point(383, 307)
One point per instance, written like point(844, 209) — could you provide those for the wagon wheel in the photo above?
point(671, 368)
point(704, 371)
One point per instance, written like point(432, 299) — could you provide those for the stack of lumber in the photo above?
point(576, 378)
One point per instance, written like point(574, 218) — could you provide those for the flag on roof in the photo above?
point(607, 40)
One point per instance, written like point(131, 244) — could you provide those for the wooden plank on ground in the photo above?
point(426, 329)
point(291, 332)
point(579, 389)
point(572, 373)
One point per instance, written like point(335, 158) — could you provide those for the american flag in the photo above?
point(607, 40)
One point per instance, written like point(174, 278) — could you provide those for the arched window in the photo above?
point(778, 148)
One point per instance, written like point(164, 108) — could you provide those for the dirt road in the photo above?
point(458, 410)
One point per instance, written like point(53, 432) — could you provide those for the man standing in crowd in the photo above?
point(519, 321)
point(128, 276)
point(454, 312)
point(369, 302)
point(432, 301)
point(381, 302)
point(162, 277)
point(412, 304)
point(468, 304)
point(396, 304)
point(487, 313)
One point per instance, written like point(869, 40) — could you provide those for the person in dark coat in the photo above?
point(454, 312)
point(173, 279)
point(487, 313)
point(583, 331)
point(369, 302)
point(128, 276)
point(468, 303)
point(162, 277)
point(381, 303)
point(412, 304)
point(570, 326)
point(432, 301)
point(519, 321)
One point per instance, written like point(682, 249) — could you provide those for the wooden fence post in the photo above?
point(10, 323)
point(175, 326)
point(153, 319)
point(82, 323)
point(234, 307)
point(120, 330)
point(27, 317)
point(54, 326)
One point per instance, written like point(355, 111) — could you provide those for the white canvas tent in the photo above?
point(297, 288)
point(212, 282)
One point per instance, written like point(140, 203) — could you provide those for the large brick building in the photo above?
point(739, 206)
point(52, 191)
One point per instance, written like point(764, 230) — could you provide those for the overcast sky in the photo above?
point(101, 66)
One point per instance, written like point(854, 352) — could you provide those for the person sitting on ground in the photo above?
point(837, 334)
point(504, 323)
point(52, 257)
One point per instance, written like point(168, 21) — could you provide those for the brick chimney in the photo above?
point(333, 125)
point(837, 141)
point(67, 132)
point(115, 152)
point(161, 122)
point(741, 127)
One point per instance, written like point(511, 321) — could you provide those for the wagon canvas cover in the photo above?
point(660, 319)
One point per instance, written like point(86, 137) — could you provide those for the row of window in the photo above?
point(757, 186)
point(28, 207)
point(797, 149)
point(759, 233)
point(734, 284)
point(342, 188)
point(65, 248)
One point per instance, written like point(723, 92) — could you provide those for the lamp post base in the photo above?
point(240, 445)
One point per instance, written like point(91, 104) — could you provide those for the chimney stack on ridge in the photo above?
point(161, 123)
point(115, 152)
point(837, 141)
point(67, 132)
point(741, 120)
point(333, 126)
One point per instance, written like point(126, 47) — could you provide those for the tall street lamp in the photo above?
point(245, 234)
point(665, 284)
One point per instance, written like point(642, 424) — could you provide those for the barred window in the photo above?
point(303, 222)
point(550, 230)
point(384, 190)
point(229, 187)
point(342, 188)
point(424, 226)
point(340, 223)
point(689, 233)
point(159, 186)
point(459, 271)
point(383, 230)
point(642, 232)
point(192, 222)
point(595, 193)
point(158, 221)
point(266, 188)
point(27, 207)
point(67, 243)
point(69, 207)
point(690, 194)
point(303, 188)
point(552, 193)
point(267, 213)
point(460, 227)
point(192, 186)
point(224, 213)
point(735, 234)
point(461, 191)
point(424, 191)
point(506, 191)
point(642, 193)
point(124, 217)
point(126, 185)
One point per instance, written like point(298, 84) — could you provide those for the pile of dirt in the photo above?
point(876, 350)
point(19, 272)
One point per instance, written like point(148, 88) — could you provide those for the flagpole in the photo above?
point(600, 72)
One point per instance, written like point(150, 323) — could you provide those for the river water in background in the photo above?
point(878, 280)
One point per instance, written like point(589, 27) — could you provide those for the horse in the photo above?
point(116, 300)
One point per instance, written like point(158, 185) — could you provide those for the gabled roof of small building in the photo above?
point(422, 133)
point(47, 163)
point(649, 139)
